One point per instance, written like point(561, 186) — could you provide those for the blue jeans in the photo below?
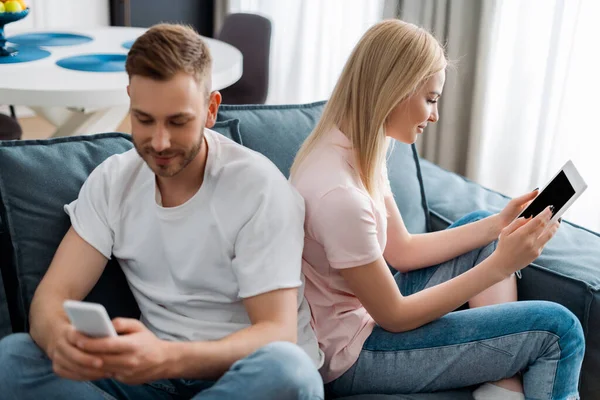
point(541, 340)
point(275, 371)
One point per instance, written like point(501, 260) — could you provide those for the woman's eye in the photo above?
point(432, 101)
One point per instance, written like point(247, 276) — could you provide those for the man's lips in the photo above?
point(163, 160)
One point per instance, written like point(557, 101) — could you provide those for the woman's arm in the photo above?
point(406, 252)
point(520, 243)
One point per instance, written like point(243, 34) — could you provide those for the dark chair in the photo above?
point(9, 128)
point(251, 34)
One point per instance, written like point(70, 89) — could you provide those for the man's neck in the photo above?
point(178, 189)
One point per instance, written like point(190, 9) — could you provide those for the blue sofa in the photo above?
point(38, 177)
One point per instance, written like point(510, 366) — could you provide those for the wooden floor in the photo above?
point(39, 128)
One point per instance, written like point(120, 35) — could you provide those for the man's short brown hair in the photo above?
point(167, 49)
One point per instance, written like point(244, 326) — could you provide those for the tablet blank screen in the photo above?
point(557, 193)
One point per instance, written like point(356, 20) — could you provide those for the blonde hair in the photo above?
point(387, 66)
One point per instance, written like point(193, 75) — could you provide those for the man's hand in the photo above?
point(69, 361)
point(136, 356)
point(513, 209)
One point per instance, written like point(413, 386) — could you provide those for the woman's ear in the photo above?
point(214, 101)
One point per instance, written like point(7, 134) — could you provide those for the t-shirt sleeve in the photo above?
point(268, 248)
point(89, 212)
point(345, 224)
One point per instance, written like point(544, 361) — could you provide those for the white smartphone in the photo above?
point(562, 191)
point(91, 319)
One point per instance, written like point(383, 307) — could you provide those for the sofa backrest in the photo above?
point(38, 177)
point(279, 131)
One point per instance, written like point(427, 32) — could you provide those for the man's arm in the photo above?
point(138, 356)
point(274, 318)
point(74, 271)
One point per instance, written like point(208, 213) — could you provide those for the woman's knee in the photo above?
point(548, 316)
point(472, 217)
point(291, 367)
point(566, 325)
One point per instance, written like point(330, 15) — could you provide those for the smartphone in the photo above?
point(91, 319)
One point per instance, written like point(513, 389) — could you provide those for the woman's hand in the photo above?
point(521, 242)
point(513, 209)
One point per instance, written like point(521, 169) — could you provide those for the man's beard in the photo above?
point(184, 158)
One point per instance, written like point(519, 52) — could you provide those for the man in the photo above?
point(209, 235)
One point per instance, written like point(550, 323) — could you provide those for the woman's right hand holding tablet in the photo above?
point(521, 242)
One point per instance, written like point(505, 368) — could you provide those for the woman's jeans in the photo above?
point(542, 340)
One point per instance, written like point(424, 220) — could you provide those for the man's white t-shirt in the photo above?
point(190, 266)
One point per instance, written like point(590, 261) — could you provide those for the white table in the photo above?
point(78, 102)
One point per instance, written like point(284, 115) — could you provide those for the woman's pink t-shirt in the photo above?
point(343, 229)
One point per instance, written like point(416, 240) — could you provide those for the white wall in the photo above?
point(51, 14)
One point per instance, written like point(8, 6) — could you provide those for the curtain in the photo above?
point(311, 42)
point(460, 25)
point(538, 98)
point(221, 9)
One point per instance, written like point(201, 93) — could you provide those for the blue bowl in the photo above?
point(7, 17)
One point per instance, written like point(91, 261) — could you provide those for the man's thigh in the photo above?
point(159, 390)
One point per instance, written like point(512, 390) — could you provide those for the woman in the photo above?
point(398, 334)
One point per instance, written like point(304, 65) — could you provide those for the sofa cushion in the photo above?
point(5, 321)
point(567, 272)
point(5, 324)
point(37, 178)
point(278, 132)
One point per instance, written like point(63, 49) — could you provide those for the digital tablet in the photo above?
point(562, 191)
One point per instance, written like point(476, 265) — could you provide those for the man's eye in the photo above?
point(144, 121)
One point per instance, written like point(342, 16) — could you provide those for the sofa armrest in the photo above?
point(567, 272)
point(573, 253)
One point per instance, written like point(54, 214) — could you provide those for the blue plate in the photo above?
point(23, 54)
point(49, 39)
point(94, 62)
point(128, 44)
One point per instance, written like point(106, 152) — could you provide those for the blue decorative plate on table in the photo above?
point(94, 62)
point(128, 44)
point(23, 54)
point(49, 39)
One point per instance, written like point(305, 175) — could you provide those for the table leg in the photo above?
point(83, 122)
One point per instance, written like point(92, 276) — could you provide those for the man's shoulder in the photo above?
point(117, 168)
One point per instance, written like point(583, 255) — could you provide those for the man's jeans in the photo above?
point(542, 340)
point(276, 371)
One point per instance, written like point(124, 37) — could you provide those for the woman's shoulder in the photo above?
point(324, 170)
